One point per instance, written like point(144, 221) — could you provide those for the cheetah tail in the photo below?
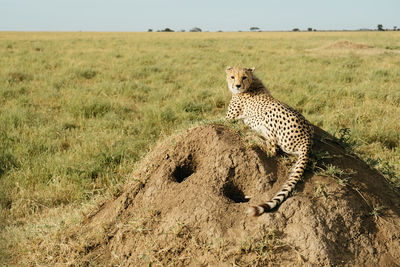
point(287, 188)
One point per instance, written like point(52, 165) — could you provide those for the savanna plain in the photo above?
point(79, 110)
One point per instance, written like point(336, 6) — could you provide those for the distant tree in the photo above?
point(296, 30)
point(150, 30)
point(315, 30)
point(182, 30)
point(195, 29)
point(380, 27)
point(254, 29)
point(395, 28)
point(167, 30)
point(309, 29)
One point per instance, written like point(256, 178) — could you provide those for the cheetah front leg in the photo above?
point(271, 147)
point(267, 145)
point(270, 141)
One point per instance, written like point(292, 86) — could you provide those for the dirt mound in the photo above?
point(346, 45)
point(186, 205)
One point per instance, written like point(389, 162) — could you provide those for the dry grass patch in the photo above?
point(78, 110)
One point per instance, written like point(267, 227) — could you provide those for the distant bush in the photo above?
point(167, 30)
point(195, 29)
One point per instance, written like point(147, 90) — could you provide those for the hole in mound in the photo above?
point(181, 173)
point(234, 193)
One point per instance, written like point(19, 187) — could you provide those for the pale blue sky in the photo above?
point(211, 15)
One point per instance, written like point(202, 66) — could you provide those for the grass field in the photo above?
point(78, 110)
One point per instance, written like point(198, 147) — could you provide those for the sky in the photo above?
point(209, 15)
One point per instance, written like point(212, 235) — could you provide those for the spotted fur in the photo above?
point(280, 124)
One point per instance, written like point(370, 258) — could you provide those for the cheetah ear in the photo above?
point(251, 69)
point(228, 69)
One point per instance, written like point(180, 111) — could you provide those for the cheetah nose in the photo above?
point(238, 86)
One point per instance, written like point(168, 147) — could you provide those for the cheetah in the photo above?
point(278, 123)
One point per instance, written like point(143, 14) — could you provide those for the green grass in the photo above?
point(78, 110)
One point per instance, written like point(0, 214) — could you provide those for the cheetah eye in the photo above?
point(232, 77)
point(244, 77)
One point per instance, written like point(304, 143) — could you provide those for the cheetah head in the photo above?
point(239, 79)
